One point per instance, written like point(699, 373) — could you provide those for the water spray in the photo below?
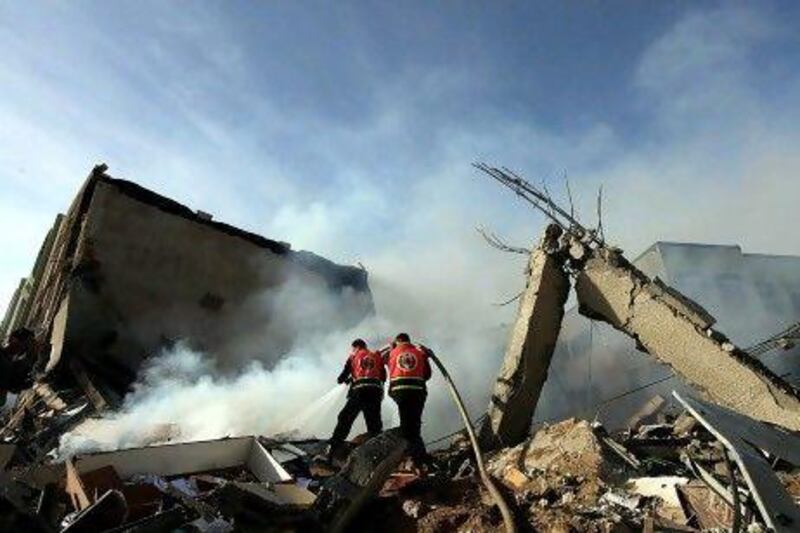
point(321, 405)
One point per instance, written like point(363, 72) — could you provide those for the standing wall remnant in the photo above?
point(127, 273)
point(530, 346)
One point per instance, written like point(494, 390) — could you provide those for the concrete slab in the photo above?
point(671, 328)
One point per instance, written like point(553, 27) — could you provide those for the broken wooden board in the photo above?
point(342, 496)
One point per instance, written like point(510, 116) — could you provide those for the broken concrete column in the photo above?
point(678, 332)
point(530, 347)
point(343, 495)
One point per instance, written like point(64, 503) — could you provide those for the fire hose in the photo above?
point(508, 518)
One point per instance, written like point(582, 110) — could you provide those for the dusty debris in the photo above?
point(567, 447)
point(742, 437)
point(568, 476)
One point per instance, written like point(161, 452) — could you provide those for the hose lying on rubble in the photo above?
point(508, 518)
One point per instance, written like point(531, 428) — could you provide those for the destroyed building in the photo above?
point(599, 371)
point(748, 408)
point(127, 272)
point(728, 456)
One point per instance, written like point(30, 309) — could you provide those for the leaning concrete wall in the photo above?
point(529, 351)
point(678, 333)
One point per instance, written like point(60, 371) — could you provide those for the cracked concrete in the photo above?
point(678, 332)
point(530, 347)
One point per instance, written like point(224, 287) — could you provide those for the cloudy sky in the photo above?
point(348, 128)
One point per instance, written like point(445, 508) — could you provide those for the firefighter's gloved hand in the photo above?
point(343, 379)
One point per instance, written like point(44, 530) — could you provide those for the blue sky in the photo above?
point(313, 122)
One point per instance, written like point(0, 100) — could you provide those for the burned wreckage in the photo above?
point(118, 270)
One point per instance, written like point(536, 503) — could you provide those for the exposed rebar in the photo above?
point(541, 200)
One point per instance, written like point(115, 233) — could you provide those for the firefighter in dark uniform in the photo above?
point(366, 374)
point(409, 371)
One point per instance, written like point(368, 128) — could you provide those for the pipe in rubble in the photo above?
point(508, 518)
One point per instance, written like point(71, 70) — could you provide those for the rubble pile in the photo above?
point(569, 476)
point(671, 475)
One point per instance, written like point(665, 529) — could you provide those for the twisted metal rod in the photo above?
point(541, 200)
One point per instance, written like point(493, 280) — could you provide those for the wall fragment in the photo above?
point(530, 347)
point(676, 331)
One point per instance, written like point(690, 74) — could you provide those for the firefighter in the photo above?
point(366, 374)
point(409, 370)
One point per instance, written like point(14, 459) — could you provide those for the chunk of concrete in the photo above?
point(569, 447)
point(343, 495)
point(675, 330)
point(530, 349)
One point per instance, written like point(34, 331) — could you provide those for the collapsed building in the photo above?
point(127, 272)
point(726, 456)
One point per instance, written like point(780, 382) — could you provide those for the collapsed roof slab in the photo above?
point(530, 347)
point(677, 331)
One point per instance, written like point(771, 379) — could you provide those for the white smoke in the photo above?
point(185, 395)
